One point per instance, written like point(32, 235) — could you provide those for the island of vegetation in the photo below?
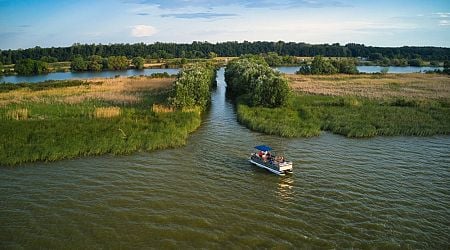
point(58, 119)
point(353, 105)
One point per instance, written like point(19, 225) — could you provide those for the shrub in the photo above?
point(262, 85)
point(193, 86)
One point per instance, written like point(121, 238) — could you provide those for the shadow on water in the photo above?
point(380, 192)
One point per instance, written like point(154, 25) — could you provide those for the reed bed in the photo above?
point(18, 114)
point(107, 112)
point(375, 86)
point(350, 116)
point(160, 108)
point(66, 122)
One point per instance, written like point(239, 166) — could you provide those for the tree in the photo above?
point(193, 86)
point(320, 66)
point(117, 63)
point(138, 62)
point(273, 59)
point(31, 67)
point(416, 62)
point(255, 79)
point(95, 63)
point(78, 64)
point(345, 66)
point(1, 68)
point(447, 67)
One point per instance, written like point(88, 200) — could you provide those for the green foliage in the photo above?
point(447, 67)
point(193, 86)
point(345, 66)
point(202, 50)
point(117, 63)
point(138, 62)
point(31, 67)
point(349, 116)
point(95, 63)
point(62, 131)
point(417, 62)
point(273, 59)
point(321, 66)
point(1, 68)
point(49, 59)
point(78, 64)
point(254, 78)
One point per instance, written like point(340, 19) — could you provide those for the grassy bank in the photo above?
point(357, 106)
point(117, 116)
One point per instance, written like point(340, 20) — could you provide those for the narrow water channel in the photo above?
point(384, 192)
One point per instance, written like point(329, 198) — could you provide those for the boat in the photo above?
point(275, 164)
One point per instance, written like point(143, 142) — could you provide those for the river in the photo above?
point(133, 72)
point(383, 192)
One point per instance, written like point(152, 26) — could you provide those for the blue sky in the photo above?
point(46, 23)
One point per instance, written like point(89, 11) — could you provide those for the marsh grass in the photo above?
point(107, 112)
point(56, 129)
point(349, 116)
point(18, 114)
point(161, 108)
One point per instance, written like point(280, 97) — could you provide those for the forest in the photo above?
point(206, 50)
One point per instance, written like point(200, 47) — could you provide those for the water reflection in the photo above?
point(285, 189)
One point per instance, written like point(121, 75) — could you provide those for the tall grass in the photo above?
point(33, 130)
point(349, 116)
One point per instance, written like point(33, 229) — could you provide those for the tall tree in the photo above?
point(138, 62)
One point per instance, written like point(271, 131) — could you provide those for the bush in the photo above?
point(321, 66)
point(263, 85)
point(31, 67)
point(193, 86)
point(138, 62)
point(78, 64)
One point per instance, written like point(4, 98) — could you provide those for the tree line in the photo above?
point(207, 50)
point(251, 79)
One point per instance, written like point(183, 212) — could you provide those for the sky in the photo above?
point(47, 23)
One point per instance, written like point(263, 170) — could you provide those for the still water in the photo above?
point(133, 72)
point(384, 192)
point(83, 75)
point(373, 69)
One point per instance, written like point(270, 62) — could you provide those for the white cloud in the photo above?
point(442, 14)
point(444, 23)
point(143, 30)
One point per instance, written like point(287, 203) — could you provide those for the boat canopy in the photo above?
point(263, 148)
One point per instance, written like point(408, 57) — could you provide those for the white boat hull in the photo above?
point(270, 169)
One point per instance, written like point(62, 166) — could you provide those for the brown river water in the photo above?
point(382, 192)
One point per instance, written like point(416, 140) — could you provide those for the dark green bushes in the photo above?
point(31, 67)
point(321, 66)
point(193, 86)
point(262, 85)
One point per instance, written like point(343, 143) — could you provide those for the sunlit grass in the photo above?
point(349, 116)
point(52, 126)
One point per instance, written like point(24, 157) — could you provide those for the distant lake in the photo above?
point(83, 75)
point(371, 69)
point(133, 72)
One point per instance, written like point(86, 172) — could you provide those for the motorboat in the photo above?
point(267, 160)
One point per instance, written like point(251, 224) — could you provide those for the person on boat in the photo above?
point(260, 154)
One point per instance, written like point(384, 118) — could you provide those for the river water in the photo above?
point(383, 192)
point(133, 72)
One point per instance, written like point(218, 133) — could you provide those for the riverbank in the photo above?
point(59, 121)
point(357, 106)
